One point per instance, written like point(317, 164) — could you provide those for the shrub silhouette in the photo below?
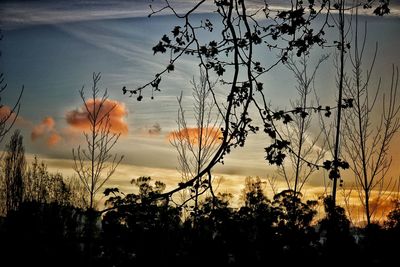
point(139, 227)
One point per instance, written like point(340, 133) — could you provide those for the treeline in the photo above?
point(46, 223)
point(21, 182)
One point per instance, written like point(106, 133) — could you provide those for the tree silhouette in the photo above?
point(309, 150)
point(367, 143)
point(13, 173)
point(253, 193)
point(242, 33)
point(232, 57)
point(137, 225)
point(196, 145)
point(393, 218)
point(255, 224)
point(8, 115)
point(95, 164)
point(336, 164)
point(41, 186)
point(46, 234)
point(296, 237)
point(334, 228)
point(214, 230)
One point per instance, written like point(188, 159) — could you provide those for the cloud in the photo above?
point(5, 112)
point(46, 130)
point(42, 129)
point(53, 139)
point(154, 130)
point(192, 135)
point(25, 13)
point(8, 115)
point(79, 118)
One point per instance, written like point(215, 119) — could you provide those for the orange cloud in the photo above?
point(79, 118)
point(192, 135)
point(6, 113)
point(46, 129)
point(46, 126)
point(53, 139)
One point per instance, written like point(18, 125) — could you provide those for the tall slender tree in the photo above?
point(196, 145)
point(340, 22)
point(95, 164)
point(367, 138)
point(308, 149)
point(14, 169)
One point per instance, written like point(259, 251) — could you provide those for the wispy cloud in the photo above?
point(112, 39)
point(25, 13)
point(20, 14)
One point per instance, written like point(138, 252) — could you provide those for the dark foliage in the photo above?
point(41, 235)
point(334, 230)
point(140, 230)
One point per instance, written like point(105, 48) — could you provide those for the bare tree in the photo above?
point(95, 164)
point(309, 150)
point(8, 115)
point(367, 142)
point(14, 169)
point(196, 145)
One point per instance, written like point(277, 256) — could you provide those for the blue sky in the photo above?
point(53, 47)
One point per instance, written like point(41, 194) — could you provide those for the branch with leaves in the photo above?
point(231, 57)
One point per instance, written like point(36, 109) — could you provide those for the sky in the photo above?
point(52, 49)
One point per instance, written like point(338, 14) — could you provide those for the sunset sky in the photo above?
point(53, 47)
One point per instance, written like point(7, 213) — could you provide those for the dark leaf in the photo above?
point(108, 191)
point(176, 31)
